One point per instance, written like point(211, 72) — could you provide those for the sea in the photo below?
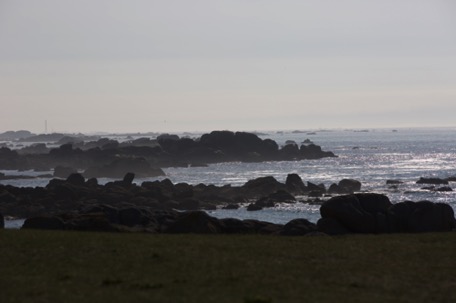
point(371, 156)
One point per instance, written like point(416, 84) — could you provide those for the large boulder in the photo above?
point(423, 216)
point(262, 186)
point(358, 213)
point(298, 227)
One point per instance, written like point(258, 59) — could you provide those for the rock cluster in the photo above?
point(109, 158)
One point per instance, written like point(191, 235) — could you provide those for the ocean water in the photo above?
point(371, 156)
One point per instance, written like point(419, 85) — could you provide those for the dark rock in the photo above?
point(360, 213)
point(298, 227)
point(128, 178)
point(422, 216)
point(444, 189)
point(263, 202)
point(44, 223)
point(134, 216)
point(235, 226)
point(295, 185)
point(76, 179)
point(262, 227)
point(262, 186)
point(111, 213)
point(2, 221)
point(197, 222)
point(336, 189)
point(316, 193)
point(432, 181)
point(188, 204)
point(331, 226)
point(393, 182)
point(231, 206)
point(90, 222)
point(281, 196)
point(350, 185)
point(314, 187)
point(254, 207)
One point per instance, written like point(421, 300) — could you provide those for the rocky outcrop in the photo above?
point(99, 157)
point(374, 213)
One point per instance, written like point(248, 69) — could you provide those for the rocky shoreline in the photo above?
point(146, 157)
point(77, 203)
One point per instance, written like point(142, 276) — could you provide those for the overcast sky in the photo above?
point(200, 65)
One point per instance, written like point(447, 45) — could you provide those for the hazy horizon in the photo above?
point(177, 66)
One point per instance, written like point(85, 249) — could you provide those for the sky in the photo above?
point(202, 65)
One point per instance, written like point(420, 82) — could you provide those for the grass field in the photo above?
point(50, 266)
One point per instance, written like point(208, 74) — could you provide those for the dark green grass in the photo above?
point(45, 266)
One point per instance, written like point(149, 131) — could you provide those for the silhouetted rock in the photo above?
point(254, 207)
point(331, 226)
point(350, 185)
point(231, 206)
point(432, 181)
point(197, 222)
point(298, 227)
point(44, 223)
point(336, 189)
point(359, 213)
point(262, 186)
point(2, 221)
point(76, 179)
point(393, 182)
point(423, 216)
point(128, 178)
point(295, 185)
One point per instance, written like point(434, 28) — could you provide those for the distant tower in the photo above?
point(45, 126)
